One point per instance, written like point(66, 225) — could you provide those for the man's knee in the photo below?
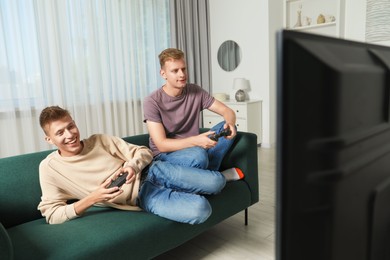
point(201, 211)
point(198, 158)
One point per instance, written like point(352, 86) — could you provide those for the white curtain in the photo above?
point(96, 58)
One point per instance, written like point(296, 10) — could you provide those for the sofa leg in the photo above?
point(246, 217)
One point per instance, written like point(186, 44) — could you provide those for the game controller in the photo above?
point(224, 132)
point(118, 182)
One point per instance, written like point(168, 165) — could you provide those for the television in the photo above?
point(333, 148)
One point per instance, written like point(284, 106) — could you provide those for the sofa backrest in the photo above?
point(142, 139)
point(20, 191)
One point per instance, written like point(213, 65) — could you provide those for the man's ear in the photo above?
point(162, 73)
point(48, 139)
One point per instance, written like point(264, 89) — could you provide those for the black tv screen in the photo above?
point(333, 148)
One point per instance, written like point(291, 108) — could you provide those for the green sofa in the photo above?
point(105, 233)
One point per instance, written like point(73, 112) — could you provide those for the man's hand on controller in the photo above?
point(103, 193)
point(203, 140)
point(226, 133)
point(131, 174)
point(232, 129)
point(123, 177)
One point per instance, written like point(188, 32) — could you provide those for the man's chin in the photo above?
point(73, 146)
point(72, 149)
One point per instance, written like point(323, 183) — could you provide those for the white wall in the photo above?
point(253, 25)
point(354, 27)
point(245, 22)
point(276, 21)
point(355, 21)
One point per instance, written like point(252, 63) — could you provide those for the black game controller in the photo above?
point(119, 181)
point(224, 132)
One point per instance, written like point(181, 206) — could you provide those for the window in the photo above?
point(97, 58)
point(69, 52)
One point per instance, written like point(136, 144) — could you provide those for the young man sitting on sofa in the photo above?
point(172, 115)
point(82, 170)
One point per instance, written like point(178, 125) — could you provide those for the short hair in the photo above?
point(50, 114)
point(170, 54)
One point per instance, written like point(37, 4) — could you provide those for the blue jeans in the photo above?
point(176, 192)
point(199, 157)
point(177, 181)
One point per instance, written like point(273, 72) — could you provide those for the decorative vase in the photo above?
point(299, 17)
point(320, 19)
point(240, 95)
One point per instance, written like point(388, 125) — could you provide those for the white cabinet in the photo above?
point(314, 16)
point(248, 115)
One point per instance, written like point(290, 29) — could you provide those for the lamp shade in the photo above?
point(240, 83)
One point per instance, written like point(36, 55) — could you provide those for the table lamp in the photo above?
point(241, 85)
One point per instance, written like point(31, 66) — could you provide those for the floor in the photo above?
point(231, 239)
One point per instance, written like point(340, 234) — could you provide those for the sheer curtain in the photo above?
point(96, 58)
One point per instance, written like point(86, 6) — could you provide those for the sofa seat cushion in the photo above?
point(105, 233)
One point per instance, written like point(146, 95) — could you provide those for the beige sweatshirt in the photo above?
point(69, 178)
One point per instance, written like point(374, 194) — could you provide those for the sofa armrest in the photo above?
point(243, 154)
point(6, 249)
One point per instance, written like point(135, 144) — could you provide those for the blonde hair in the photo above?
point(170, 54)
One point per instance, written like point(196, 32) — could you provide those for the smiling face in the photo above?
point(175, 73)
point(64, 134)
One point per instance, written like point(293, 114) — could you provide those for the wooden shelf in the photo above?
point(306, 12)
point(314, 26)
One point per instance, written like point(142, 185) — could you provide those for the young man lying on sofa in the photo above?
point(82, 171)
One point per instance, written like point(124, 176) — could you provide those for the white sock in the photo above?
point(233, 174)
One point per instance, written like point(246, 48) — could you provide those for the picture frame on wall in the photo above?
point(378, 21)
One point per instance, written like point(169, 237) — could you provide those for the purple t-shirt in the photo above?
point(179, 115)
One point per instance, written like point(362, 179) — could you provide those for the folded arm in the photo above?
point(166, 144)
